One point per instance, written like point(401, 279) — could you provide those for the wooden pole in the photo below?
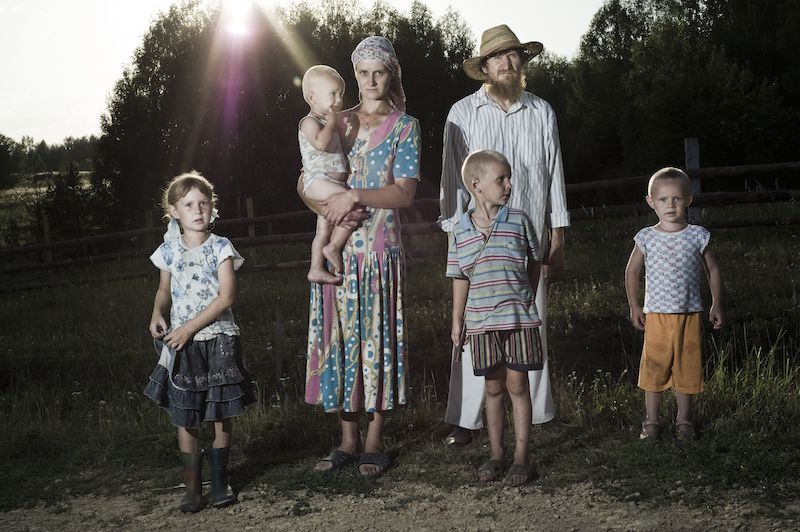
point(251, 228)
point(691, 151)
point(48, 254)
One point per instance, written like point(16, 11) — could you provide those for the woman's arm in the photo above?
point(396, 195)
point(227, 293)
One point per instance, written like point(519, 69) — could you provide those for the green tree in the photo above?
point(194, 97)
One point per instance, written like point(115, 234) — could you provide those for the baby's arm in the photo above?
point(633, 272)
point(227, 293)
point(319, 136)
point(460, 291)
point(163, 299)
point(715, 314)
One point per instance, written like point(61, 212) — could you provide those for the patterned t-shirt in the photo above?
point(673, 266)
point(500, 294)
point(195, 282)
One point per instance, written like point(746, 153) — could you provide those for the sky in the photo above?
point(61, 58)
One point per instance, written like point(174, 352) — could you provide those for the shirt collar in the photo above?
point(466, 220)
point(482, 98)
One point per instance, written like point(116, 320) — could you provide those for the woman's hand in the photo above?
point(338, 206)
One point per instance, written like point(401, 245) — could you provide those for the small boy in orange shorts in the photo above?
point(673, 253)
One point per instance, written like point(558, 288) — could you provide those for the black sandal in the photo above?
point(338, 459)
point(377, 459)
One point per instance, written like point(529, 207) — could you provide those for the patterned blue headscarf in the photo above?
point(381, 49)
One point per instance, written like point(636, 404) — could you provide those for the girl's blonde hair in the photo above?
point(474, 166)
point(180, 185)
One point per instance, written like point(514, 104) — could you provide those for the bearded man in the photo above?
point(502, 116)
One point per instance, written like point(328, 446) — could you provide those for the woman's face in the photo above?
point(373, 79)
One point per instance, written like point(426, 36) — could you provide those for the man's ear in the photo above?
point(649, 201)
point(690, 199)
point(475, 182)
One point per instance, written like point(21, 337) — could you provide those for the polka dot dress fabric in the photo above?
point(357, 355)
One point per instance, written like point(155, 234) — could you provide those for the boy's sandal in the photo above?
point(381, 460)
point(490, 470)
point(338, 459)
point(650, 431)
point(684, 430)
point(517, 475)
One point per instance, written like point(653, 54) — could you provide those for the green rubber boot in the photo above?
point(193, 478)
point(221, 492)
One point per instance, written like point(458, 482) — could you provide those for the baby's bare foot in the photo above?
point(334, 256)
point(323, 276)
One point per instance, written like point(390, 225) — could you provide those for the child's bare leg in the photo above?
point(317, 272)
point(519, 391)
point(652, 403)
point(684, 407)
point(333, 250)
point(187, 440)
point(222, 434)
point(495, 410)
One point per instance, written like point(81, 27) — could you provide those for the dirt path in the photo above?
point(402, 505)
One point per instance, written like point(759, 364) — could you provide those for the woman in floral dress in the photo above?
point(357, 343)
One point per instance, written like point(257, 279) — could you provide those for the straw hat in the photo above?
point(495, 40)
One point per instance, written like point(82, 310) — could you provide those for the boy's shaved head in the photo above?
point(475, 164)
point(669, 173)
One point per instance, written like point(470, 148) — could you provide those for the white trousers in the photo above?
point(465, 399)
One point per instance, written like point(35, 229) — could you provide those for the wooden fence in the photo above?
point(417, 219)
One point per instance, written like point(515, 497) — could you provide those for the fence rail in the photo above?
point(414, 214)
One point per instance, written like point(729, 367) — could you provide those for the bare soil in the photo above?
point(405, 505)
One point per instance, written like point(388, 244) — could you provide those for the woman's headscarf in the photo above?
point(381, 49)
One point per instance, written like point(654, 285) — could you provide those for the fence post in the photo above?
point(148, 223)
point(277, 349)
point(691, 151)
point(251, 228)
point(48, 253)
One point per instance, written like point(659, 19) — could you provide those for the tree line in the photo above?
point(648, 74)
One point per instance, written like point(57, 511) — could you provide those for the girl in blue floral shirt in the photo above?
point(200, 375)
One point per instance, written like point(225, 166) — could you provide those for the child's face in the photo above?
point(670, 198)
point(193, 211)
point(494, 187)
point(327, 93)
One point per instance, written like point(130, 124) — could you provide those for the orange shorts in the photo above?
point(672, 354)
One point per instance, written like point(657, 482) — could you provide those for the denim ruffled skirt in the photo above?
point(204, 381)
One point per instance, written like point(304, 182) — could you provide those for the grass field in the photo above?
point(75, 359)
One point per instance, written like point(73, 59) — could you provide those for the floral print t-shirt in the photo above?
point(195, 282)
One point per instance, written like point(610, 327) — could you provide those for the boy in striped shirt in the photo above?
point(494, 258)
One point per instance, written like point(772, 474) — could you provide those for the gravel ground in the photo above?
point(404, 505)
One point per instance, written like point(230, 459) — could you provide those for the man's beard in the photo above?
point(506, 87)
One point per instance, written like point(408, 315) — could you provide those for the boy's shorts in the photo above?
point(519, 349)
point(672, 354)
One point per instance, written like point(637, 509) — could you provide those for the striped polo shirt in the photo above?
point(500, 294)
